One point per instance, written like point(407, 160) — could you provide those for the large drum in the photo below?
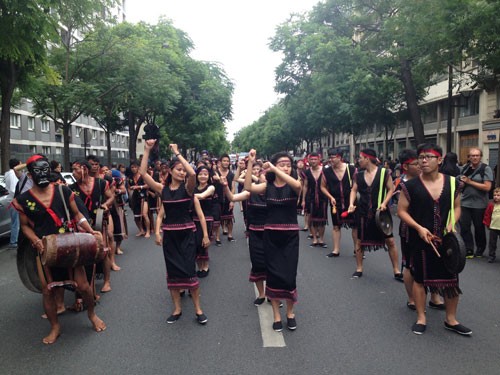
point(73, 249)
point(26, 265)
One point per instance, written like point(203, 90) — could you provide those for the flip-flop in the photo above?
point(321, 244)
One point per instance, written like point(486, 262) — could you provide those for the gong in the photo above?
point(26, 265)
point(453, 252)
point(99, 216)
point(383, 219)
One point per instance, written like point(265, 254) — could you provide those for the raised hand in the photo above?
point(174, 148)
point(251, 155)
point(149, 144)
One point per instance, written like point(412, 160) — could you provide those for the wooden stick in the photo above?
point(435, 250)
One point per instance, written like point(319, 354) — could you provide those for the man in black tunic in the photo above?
point(42, 213)
point(425, 206)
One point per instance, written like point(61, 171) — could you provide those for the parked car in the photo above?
point(5, 200)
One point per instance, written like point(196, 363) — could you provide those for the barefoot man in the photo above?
point(42, 213)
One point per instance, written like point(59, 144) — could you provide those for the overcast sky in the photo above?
point(235, 34)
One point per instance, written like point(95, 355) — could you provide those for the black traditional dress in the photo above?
point(138, 196)
point(340, 189)
point(427, 268)
point(316, 201)
point(256, 219)
point(47, 220)
point(206, 206)
point(281, 239)
point(179, 240)
point(371, 237)
point(226, 213)
point(217, 206)
point(93, 200)
point(404, 234)
point(117, 211)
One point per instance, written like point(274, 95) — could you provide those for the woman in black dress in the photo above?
point(204, 191)
point(255, 220)
point(281, 233)
point(179, 240)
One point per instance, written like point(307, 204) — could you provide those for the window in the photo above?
point(101, 153)
point(469, 106)
point(31, 123)
point(46, 150)
point(429, 113)
point(94, 134)
point(123, 139)
point(33, 149)
point(45, 126)
point(15, 121)
point(113, 138)
point(58, 151)
point(78, 130)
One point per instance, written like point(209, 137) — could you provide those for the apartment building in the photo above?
point(32, 134)
point(475, 123)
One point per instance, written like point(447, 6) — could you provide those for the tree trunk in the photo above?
point(108, 147)
point(411, 101)
point(8, 84)
point(132, 137)
point(66, 129)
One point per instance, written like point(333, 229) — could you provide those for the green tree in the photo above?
point(25, 29)
point(66, 97)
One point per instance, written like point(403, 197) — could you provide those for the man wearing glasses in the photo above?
point(477, 178)
point(424, 205)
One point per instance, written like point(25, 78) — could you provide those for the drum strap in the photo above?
point(349, 175)
point(64, 203)
point(451, 214)
point(381, 187)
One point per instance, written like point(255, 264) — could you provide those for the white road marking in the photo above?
point(270, 339)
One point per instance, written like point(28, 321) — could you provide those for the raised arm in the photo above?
point(143, 169)
point(294, 183)
point(249, 186)
point(191, 175)
point(243, 196)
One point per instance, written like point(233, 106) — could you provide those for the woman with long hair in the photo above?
point(281, 233)
point(204, 191)
point(256, 218)
point(179, 240)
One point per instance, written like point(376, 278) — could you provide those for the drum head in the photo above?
point(26, 265)
point(98, 219)
point(384, 221)
point(453, 252)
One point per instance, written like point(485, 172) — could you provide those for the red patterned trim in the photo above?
point(289, 295)
point(254, 277)
point(281, 227)
point(177, 200)
point(183, 226)
point(190, 283)
point(257, 228)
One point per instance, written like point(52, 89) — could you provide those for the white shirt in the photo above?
point(11, 182)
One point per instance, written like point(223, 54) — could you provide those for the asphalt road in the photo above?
point(345, 326)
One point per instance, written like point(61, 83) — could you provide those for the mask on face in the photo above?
point(40, 173)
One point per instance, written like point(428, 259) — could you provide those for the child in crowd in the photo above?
point(492, 221)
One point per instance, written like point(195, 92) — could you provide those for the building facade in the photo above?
point(31, 134)
point(475, 123)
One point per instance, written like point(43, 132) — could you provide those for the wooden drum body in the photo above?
point(73, 249)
